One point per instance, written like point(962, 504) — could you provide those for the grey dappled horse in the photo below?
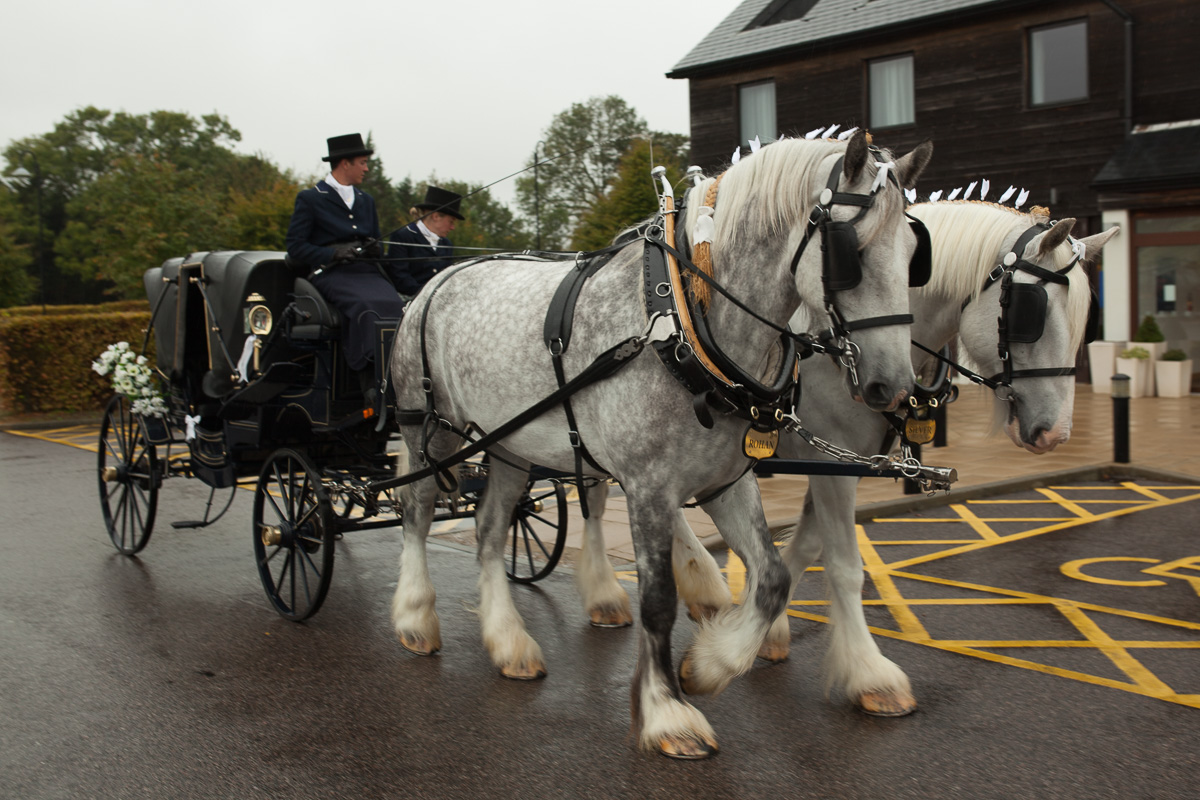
point(969, 239)
point(487, 362)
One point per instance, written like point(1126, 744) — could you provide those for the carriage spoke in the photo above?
point(531, 533)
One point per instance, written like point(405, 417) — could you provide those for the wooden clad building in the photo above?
point(1092, 105)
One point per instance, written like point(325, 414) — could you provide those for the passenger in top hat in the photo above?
point(333, 229)
point(423, 241)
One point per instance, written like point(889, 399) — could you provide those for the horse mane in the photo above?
point(767, 194)
point(967, 236)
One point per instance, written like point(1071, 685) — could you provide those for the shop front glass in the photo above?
point(1168, 278)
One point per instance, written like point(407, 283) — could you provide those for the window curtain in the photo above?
point(891, 83)
point(756, 102)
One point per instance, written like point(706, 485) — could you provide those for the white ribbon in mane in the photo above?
point(881, 176)
point(704, 229)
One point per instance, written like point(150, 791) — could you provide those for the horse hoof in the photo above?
point(686, 748)
point(774, 652)
point(887, 704)
point(419, 645)
point(524, 672)
point(699, 612)
point(610, 617)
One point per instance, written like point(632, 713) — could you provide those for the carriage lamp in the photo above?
point(260, 320)
point(1120, 401)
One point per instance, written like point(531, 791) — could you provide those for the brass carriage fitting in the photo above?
point(538, 506)
point(108, 474)
point(271, 535)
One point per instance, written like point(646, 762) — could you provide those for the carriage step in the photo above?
point(189, 523)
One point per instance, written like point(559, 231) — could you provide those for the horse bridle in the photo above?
point(1023, 311)
point(841, 265)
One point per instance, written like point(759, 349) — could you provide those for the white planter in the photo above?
point(1103, 359)
point(1156, 350)
point(1136, 369)
point(1173, 378)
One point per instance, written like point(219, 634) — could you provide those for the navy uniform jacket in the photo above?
point(321, 220)
point(410, 276)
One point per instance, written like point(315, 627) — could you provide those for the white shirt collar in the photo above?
point(429, 235)
point(345, 192)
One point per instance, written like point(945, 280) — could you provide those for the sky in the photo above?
point(461, 89)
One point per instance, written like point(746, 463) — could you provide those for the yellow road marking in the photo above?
point(1074, 569)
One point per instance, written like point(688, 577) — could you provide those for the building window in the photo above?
point(1058, 64)
point(756, 106)
point(890, 84)
point(778, 11)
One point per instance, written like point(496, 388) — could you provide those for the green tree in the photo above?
point(632, 196)
point(16, 285)
point(582, 147)
point(139, 213)
point(121, 192)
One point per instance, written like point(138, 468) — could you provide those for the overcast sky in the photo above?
point(464, 87)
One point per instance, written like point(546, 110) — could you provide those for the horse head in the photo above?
point(1024, 321)
point(820, 225)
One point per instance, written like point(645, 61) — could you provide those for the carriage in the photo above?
point(257, 393)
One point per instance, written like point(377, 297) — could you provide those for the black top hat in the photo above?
point(347, 146)
point(443, 200)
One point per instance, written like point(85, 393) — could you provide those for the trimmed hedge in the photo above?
point(46, 359)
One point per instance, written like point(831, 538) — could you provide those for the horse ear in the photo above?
point(1052, 238)
point(856, 156)
point(1095, 243)
point(910, 167)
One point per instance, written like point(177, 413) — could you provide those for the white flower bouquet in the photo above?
point(133, 378)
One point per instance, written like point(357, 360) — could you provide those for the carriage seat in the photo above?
point(323, 319)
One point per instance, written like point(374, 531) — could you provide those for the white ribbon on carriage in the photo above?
point(192, 422)
point(243, 365)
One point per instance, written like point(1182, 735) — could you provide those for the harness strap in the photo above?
point(606, 364)
point(557, 334)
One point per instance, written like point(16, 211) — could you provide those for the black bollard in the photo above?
point(1120, 401)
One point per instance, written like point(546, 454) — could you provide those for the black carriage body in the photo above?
point(251, 354)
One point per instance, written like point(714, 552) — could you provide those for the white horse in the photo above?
point(969, 240)
point(473, 339)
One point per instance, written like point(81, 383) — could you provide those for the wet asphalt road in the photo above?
point(169, 676)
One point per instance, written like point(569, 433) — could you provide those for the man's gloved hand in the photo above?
point(345, 252)
point(372, 248)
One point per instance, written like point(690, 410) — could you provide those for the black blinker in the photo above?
point(921, 267)
point(839, 253)
point(1026, 312)
point(1093, 321)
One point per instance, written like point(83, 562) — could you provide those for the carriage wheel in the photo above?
point(294, 533)
point(538, 532)
point(128, 477)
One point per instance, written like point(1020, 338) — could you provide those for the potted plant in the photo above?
point(1150, 337)
point(1173, 374)
point(1135, 362)
point(1102, 361)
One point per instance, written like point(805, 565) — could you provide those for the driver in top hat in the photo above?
point(422, 244)
point(333, 228)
